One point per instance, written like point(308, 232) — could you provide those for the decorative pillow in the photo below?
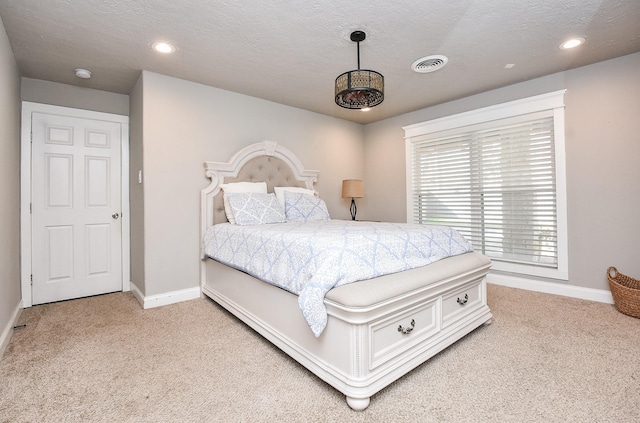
point(239, 187)
point(255, 208)
point(281, 190)
point(300, 207)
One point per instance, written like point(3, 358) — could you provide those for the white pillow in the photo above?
point(240, 187)
point(281, 190)
point(301, 207)
point(255, 208)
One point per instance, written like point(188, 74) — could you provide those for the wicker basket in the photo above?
point(625, 291)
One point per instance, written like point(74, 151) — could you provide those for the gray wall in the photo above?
point(184, 124)
point(136, 192)
point(10, 295)
point(602, 119)
point(57, 94)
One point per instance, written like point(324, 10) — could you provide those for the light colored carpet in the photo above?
point(104, 359)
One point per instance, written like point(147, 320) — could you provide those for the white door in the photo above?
point(76, 207)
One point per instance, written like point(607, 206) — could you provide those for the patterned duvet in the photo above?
point(310, 258)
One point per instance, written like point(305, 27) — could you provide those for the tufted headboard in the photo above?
point(264, 161)
point(272, 170)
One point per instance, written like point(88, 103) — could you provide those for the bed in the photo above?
point(377, 329)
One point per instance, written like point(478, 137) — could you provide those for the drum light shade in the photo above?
point(352, 188)
point(360, 88)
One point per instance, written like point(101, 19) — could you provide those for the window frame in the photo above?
point(554, 102)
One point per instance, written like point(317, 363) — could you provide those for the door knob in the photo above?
point(115, 215)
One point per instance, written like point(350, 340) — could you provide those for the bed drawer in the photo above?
point(401, 331)
point(461, 301)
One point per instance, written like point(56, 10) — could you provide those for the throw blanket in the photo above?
point(310, 258)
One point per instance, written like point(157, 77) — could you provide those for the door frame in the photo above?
point(28, 108)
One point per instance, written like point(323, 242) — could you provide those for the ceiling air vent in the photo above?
point(429, 63)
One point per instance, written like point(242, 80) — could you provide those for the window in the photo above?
point(497, 176)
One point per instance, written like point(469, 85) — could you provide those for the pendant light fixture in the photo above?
point(360, 88)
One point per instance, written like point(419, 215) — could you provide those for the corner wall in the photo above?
point(186, 124)
point(136, 191)
point(10, 295)
point(602, 153)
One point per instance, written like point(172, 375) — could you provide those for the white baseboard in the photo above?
point(599, 295)
point(166, 298)
point(8, 330)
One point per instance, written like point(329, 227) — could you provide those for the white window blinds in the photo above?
point(495, 182)
point(495, 185)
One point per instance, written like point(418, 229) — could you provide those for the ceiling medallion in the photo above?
point(360, 88)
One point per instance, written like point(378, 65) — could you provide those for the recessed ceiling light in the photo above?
point(572, 43)
point(83, 73)
point(163, 47)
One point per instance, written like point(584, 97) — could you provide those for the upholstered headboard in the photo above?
point(272, 170)
point(265, 161)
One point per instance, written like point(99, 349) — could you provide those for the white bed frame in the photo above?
point(378, 330)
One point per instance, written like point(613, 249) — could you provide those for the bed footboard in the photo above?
point(375, 335)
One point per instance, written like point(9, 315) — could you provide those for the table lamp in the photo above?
point(352, 188)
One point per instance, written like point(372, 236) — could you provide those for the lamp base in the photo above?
point(353, 209)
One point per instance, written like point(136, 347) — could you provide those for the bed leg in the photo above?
point(488, 322)
point(358, 404)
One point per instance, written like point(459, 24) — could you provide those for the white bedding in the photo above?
point(310, 258)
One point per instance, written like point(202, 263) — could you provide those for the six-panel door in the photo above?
point(76, 229)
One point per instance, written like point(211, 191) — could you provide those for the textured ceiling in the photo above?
point(291, 51)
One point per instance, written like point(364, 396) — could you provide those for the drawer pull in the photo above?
point(407, 330)
point(463, 302)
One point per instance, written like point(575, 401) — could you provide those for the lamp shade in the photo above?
point(360, 88)
point(352, 188)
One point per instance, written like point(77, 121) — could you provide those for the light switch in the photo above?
point(139, 176)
